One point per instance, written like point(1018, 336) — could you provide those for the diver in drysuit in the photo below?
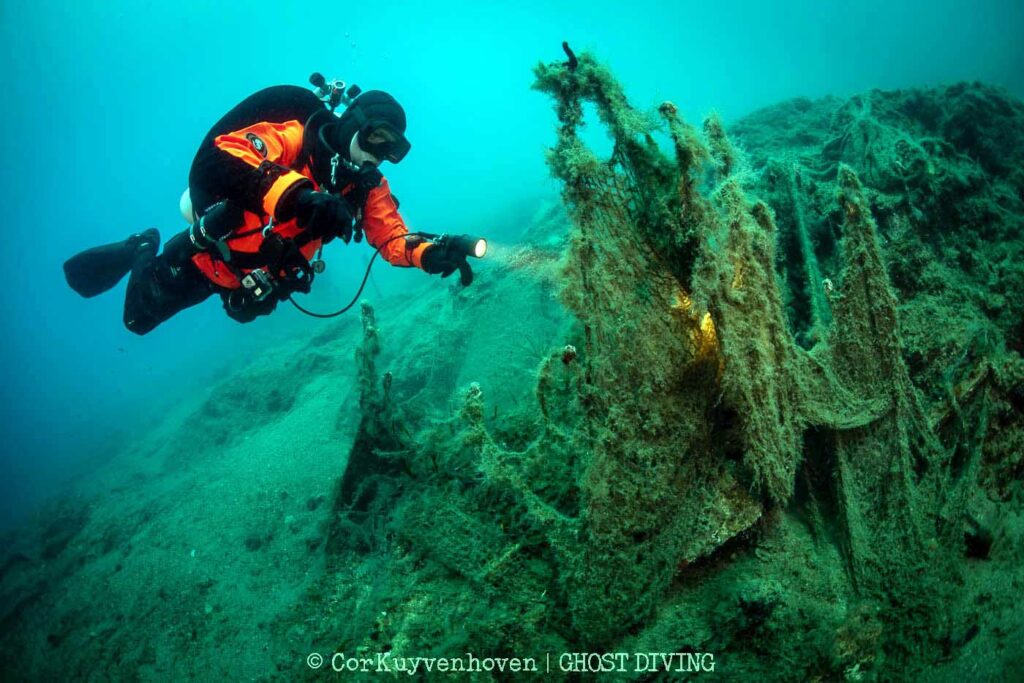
point(275, 179)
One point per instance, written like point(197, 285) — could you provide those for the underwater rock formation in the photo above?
point(720, 400)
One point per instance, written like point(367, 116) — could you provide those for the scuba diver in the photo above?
point(275, 179)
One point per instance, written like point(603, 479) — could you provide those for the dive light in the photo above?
point(469, 245)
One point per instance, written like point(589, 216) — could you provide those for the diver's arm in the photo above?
point(249, 166)
point(382, 222)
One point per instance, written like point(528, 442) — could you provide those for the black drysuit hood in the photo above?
point(333, 134)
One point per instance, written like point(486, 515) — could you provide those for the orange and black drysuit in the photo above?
point(245, 176)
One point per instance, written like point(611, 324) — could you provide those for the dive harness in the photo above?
point(260, 283)
point(281, 255)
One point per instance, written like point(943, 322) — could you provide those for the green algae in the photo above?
point(708, 436)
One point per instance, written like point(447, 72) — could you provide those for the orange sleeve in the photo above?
point(381, 222)
point(269, 148)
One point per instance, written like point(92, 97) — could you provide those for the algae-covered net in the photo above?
point(733, 456)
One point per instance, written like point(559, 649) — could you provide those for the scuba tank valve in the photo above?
point(333, 92)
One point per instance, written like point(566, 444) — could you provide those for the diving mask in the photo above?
point(382, 141)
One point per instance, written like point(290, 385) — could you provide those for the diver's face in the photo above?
point(384, 142)
point(381, 135)
point(358, 155)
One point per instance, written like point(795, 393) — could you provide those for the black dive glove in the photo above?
point(289, 267)
point(366, 179)
point(323, 214)
point(446, 255)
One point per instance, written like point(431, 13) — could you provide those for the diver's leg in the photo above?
point(161, 286)
point(96, 270)
point(164, 285)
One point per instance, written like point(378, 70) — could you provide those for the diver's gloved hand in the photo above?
point(443, 257)
point(322, 214)
point(367, 178)
point(286, 262)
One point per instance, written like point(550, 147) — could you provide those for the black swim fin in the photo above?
point(96, 270)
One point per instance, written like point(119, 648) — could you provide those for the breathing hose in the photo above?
point(362, 285)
